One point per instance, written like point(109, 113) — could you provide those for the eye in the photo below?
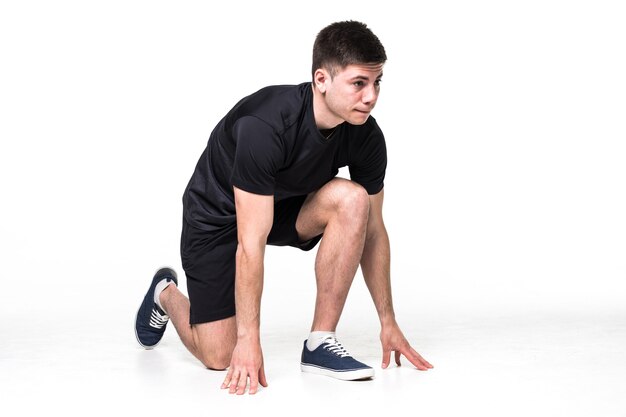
point(358, 84)
point(377, 82)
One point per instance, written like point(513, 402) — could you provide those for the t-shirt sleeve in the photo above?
point(258, 156)
point(368, 162)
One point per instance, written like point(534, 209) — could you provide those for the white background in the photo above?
point(505, 126)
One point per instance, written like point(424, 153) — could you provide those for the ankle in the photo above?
point(165, 295)
point(317, 337)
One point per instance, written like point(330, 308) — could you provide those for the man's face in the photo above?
point(352, 93)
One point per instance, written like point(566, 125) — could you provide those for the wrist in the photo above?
point(388, 320)
point(248, 333)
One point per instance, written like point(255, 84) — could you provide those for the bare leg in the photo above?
point(340, 210)
point(212, 343)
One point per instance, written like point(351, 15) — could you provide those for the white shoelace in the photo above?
point(333, 346)
point(158, 320)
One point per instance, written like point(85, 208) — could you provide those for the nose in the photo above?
point(370, 95)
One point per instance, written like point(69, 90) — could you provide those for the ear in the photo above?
point(321, 77)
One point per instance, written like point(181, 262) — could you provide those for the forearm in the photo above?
point(248, 290)
point(375, 265)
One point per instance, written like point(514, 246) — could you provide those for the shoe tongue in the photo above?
point(160, 310)
point(336, 347)
point(330, 339)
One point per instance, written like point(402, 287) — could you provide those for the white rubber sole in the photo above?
point(355, 375)
point(137, 336)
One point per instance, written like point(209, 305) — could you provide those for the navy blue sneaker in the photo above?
point(151, 320)
point(331, 359)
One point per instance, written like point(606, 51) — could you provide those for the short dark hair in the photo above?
point(346, 43)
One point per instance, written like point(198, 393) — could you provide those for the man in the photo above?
point(268, 176)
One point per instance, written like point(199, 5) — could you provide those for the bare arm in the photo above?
point(254, 221)
point(375, 264)
point(255, 214)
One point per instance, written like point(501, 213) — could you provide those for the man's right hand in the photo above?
point(246, 362)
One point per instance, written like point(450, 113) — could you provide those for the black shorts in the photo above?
point(208, 259)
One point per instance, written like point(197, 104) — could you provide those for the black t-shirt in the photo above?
point(269, 144)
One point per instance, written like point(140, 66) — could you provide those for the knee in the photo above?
point(354, 203)
point(214, 356)
point(213, 342)
point(217, 361)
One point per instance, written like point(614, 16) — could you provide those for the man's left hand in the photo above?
point(392, 339)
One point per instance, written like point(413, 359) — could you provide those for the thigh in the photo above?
point(283, 232)
point(322, 204)
point(208, 259)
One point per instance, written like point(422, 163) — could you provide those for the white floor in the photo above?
point(548, 364)
point(504, 122)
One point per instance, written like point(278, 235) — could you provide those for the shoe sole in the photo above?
point(354, 375)
point(137, 336)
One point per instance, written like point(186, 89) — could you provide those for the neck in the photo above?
point(324, 118)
